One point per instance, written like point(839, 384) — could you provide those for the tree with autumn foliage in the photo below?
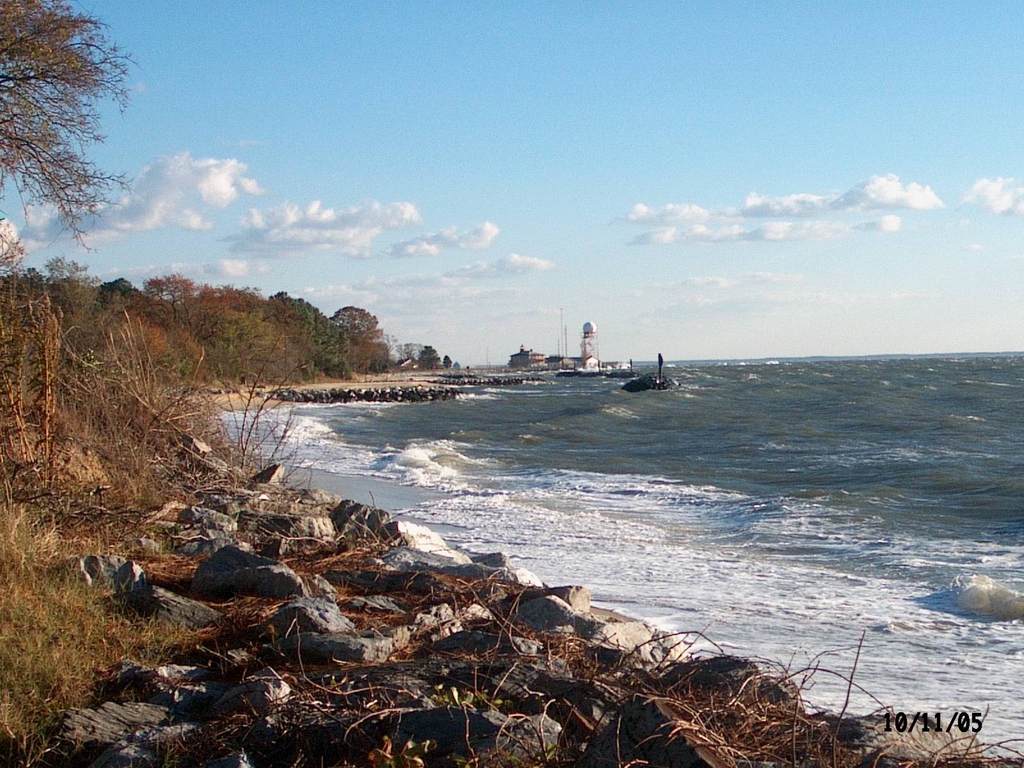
point(367, 350)
point(56, 66)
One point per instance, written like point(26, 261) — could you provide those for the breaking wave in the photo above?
point(983, 596)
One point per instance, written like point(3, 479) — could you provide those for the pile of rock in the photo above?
point(333, 634)
point(650, 383)
point(492, 381)
point(366, 395)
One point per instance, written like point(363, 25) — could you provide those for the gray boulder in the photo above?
point(109, 722)
point(127, 756)
point(310, 614)
point(98, 569)
point(625, 640)
point(552, 614)
point(190, 700)
point(258, 694)
point(403, 533)
point(224, 503)
point(451, 563)
point(208, 543)
point(360, 521)
point(141, 749)
point(370, 646)
point(493, 560)
point(577, 597)
point(378, 603)
point(148, 545)
point(311, 527)
point(376, 582)
point(464, 732)
point(639, 643)
point(129, 577)
point(207, 519)
point(233, 572)
point(170, 607)
point(476, 643)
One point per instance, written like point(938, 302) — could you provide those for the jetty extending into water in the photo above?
point(444, 388)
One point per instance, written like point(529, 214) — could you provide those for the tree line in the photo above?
point(213, 333)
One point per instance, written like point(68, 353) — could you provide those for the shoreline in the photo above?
point(354, 630)
point(376, 490)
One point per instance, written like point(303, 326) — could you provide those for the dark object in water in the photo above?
point(649, 382)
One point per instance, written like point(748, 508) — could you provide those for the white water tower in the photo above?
point(590, 357)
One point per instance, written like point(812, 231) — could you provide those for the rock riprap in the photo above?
point(371, 641)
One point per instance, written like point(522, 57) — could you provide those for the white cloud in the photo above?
point(234, 268)
point(714, 282)
point(343, 294)
point(404, 294)
point(774, 231)
point(886, 193)
point(789, 205)
point(171, 192)
point(998, 195)
point(410, 294)
point(513, 264)
point(773, 277)
point(786, 231)
point(877, 193)
point(672, 213)
point(688, 222)
point(974, 248)
point(288, 230)
point(888, 223)
point(226, 269)
point(432, 244)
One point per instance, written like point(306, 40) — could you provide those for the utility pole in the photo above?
point(561, 322)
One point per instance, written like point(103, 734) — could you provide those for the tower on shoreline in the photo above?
point(590, 357)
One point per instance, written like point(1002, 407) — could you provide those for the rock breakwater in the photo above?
point(492, 381)
point(366, 395)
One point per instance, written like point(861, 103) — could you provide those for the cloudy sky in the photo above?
point(705, 180)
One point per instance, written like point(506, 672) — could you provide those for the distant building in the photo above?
point(559, 363)
point(527, 358)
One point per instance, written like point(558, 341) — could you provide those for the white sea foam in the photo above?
point(438, 464)
point(986, 597)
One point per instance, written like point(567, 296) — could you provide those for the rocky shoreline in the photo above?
point(330, 633)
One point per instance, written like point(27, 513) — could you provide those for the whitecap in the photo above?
point(986, 597)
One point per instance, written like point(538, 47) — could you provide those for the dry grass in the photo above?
point(71, 425)
point(132, 415)
point(57, 636)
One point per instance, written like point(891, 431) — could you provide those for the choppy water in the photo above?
point(784, 510)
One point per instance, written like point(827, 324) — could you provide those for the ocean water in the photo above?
point(789, 512)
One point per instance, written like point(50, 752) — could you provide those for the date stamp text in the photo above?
point(907, 722)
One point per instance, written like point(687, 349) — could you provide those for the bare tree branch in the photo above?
point(56, 65)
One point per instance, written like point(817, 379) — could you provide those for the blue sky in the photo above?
point(705, 180)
